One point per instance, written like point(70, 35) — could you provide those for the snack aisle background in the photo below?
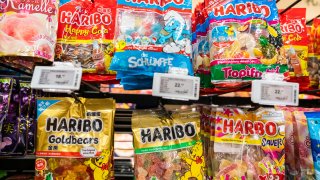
point(142, 99)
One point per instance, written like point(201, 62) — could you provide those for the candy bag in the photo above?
point(249, 145)
point(303, 145)
point(295, 40)
point(167, 145)
point(244, 38)
point(157, 38)
point(313, 62)
point(12, 129)
point(75, 138)
point(313, 119)
point(292, 164)
point(28, 29)
point(85, 34)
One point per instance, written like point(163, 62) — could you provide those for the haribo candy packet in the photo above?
point(244, 38)
point(249, 144)
point(295, 49)
point(85, 34)
point(75, 138)
point(167, 145)
point(157, 39)
point(28, 28)
point(313, 62)
point(313, 119)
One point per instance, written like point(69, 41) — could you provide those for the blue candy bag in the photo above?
point(313, 119)
point(153, 36)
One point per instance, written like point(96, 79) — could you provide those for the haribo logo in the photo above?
point(73, 125)
point(294, 26)
point(247, 127)
point(178, 131)
point(145, 60)
point(157, 2)
point(242, 9)
point(81, 17)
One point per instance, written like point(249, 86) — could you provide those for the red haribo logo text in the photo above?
point(157, 2)
point(80, 18)
point(242, 9)
point(249, 127)
point(294, 26)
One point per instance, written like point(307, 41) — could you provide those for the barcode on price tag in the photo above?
point(176, 86)
point(60, 78)
point(275, 92)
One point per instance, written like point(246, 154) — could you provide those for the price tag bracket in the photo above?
point(176, 86)
point(57, 78)
point(267, 92)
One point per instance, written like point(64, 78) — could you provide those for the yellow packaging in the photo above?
point(81, 130)
point(168, 146)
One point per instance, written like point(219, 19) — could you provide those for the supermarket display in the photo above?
point(75, 138)
point(85, 135)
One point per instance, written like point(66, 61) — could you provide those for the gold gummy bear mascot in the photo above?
point(196, 162)
point(101, 166)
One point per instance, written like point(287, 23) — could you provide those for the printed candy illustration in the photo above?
point(101, 166)
point(177, 29)
point(196, 162)
point(26, 31)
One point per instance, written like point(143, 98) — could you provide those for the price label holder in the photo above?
point(61, 77)
point(176, 86)
point(273, 91)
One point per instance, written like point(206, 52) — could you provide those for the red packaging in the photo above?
point(295, 49)
point(85, 34)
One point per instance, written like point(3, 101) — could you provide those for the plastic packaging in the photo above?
point(28, 29)
point(168, 146)
point(75, 138)
point(313, 119)
point(249, 145)
point(157, 38)
point(295, 49)
point(244, 38)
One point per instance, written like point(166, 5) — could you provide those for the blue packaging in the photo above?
point(313, 119)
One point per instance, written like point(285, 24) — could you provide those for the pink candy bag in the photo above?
point(28, 28)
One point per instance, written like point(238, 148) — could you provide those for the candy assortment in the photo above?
point(157, 38)
point(85, 34)
point(167, 145)
point(75, 138)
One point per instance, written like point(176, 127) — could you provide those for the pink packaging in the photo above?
point(292, 163)
point(303, 144)
point(28, 28)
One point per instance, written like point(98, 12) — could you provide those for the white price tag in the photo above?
point(176, 86)
point(275, 92)
point(56, 78)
